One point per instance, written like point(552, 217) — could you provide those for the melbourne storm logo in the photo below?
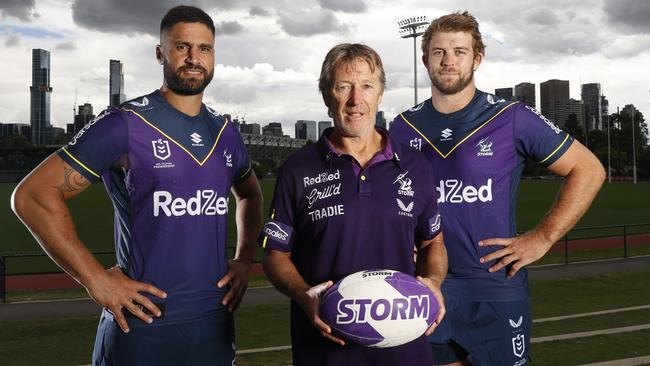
point(161, 149)
point(404, 185)
point(484, 147)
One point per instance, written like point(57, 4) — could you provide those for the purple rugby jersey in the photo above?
point(337, 219)
point(168, 175)
point(478, 154)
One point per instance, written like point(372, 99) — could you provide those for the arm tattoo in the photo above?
point(72, 180)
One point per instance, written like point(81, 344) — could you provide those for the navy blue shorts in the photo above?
point(486, 333)
point(205, 341)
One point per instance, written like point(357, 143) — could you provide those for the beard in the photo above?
point(186, 86)
point(453, 88)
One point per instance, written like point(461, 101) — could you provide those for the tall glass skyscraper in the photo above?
point(116, 84)
point(591, 96)
point(40, 90)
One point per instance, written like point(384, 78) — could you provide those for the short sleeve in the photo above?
point(242, 162)
point(538, 138)
point(429, 222)
point(97, 146)
point(278, 232)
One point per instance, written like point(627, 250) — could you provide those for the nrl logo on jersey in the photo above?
point(161, 149)
point(404, 185)
point(416, 143)
point(484, 147)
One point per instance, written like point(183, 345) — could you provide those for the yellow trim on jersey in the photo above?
point(554, 151)
point(266, 237)
point(444, 156)
point(179, 145)
point(80, 163)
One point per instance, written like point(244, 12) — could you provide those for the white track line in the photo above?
point(561, 337)
point(266, 349)
point(624, 362)
point(558, 337)
point(603, 312)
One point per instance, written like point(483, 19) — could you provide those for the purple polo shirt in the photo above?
point(337, 218)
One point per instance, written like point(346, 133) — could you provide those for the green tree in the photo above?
point(574, 129)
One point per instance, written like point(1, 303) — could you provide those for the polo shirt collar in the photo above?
point(392, 150)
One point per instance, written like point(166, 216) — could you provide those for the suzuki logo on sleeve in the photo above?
point(161, 149)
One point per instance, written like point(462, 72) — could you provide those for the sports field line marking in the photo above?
point(588, 261)
point(88, 298)
point(558, 337)
point(266, 349)
point(49, 301)
point(603, 312)
point(623, 362)
point(561, 337)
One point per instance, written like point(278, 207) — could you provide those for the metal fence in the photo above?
point(634, 241)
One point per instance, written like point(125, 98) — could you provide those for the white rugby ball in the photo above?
point(379, 308)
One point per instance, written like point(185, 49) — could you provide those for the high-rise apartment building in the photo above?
point(505, 93)
point(83, 116)
point(307, 130)
point(593, 109)
point(40, 90)
point(525, 92)
point(554, 96)
point(322, 126)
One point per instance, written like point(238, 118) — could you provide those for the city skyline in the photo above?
point(268, 59)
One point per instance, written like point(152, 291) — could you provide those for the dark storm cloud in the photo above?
point(229, 28)
point(343, 5)
point(128, 16)
point(258, 11)
point(632, 16)
point(310, 22)
point(21, 9)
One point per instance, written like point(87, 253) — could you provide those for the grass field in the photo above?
point(266, 325)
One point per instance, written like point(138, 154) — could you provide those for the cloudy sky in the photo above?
point(269, 52)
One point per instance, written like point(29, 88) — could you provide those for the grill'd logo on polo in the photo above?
point(205, 202)
point(455, 191)
point(321, 178)
point(362, 310)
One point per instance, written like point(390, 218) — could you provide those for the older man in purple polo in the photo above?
point(355, 200)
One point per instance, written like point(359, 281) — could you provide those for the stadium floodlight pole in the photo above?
point(412, 28)
point(609, 159)
point(633, 148)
